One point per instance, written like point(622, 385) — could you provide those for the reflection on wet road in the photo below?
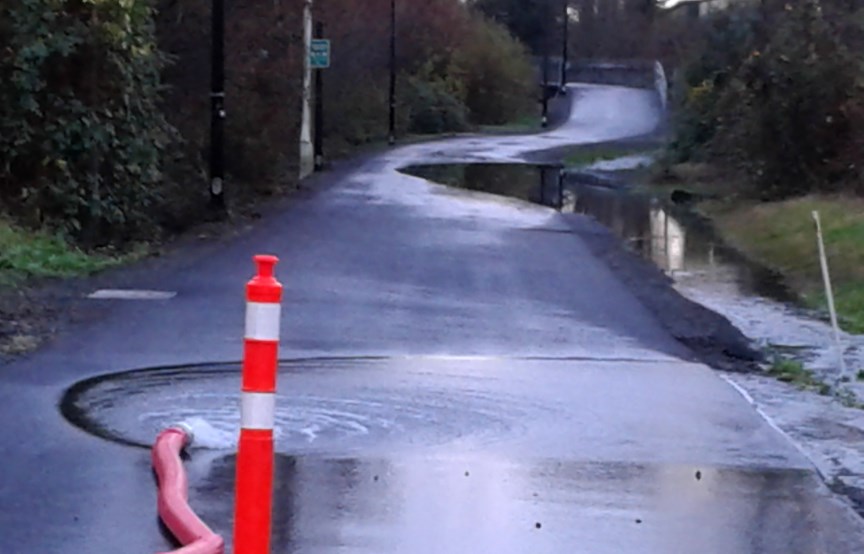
point(502, 361)
point(426, 455)
point(677, 241)
point(648, 411)
point(706, 270)
point(487, 504)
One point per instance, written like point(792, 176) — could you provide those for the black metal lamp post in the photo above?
point(217, 108)
point(545, 92)
point(565, 45)
point(319, 107)
point(392, 135)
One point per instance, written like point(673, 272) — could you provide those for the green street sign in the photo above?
point(319, 54)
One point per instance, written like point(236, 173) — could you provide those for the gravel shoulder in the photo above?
point(711, 337)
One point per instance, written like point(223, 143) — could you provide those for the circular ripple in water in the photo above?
point(322, 406)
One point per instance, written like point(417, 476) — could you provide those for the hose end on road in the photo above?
point(173, 504)
point(187, 430)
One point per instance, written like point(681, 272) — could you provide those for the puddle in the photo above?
point(680, 243)
point(669, 235)
point(540, 184)
point(428, 505)
point(317, 408)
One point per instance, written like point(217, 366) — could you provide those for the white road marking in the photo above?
point(131, 294)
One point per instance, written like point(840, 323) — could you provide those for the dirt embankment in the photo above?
point(710, 336)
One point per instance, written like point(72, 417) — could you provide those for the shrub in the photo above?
point(779, 104)
point(727, 40)
point(433, 107)
point(81, 135)
point(782, 121)
point(496, 72)
point(94, 144)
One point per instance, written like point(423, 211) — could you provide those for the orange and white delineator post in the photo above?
point(254, 483)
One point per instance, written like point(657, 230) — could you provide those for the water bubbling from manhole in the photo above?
point(321, 406)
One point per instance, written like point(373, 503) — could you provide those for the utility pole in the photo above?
point(392, 136)
point(307, 150)
point(565, 45)
point(319, 107)
point(217, 108)
point(545, 97)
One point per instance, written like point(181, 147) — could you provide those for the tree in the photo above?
point(81, 134)
point(526, 19)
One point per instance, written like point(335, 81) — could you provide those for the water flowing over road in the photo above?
point(461, 375)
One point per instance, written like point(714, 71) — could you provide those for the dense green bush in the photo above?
point(485, 79)
point(726, 41)
point(81, 135)
point(782, 120)
point(357, 112)
point(456, 69)
point(497, 77)
point(780, 103)
point(433, 106)
point(103, 140)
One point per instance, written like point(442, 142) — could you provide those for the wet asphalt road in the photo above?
point(524, 401)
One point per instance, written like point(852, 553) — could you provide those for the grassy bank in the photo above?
point(580, 156)
point(26, 254)
point(782, 236)
point(522, 124)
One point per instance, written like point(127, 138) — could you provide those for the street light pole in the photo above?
point(217, 108)
point(565, 46)
point(392, 136)
point(307, 149)
point(319, 107)
point(545, 92)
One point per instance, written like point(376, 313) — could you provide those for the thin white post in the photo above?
point(829, 293)
point(307, 150)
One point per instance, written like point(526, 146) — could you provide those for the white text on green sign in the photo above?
point(319, 54)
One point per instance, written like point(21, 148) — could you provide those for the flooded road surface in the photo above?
point(540, 184)
point(467, 350)
point(602, 114)
point(467, 504)
point(676, 240)
point(686, 247)
point(504, 407)
point(679, 242)
point(425, 455)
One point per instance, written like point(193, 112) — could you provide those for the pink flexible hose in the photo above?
point(173, 500)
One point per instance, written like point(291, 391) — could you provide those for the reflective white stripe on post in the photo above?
point(262, 321)
point(257, 411)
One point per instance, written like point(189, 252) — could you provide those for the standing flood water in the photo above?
point(677, 241)
point(671, 236)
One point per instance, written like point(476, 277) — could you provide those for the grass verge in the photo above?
point(587, 154)
point(794, 372)
point(588, 157)
point(782, 235)
point(525, 124)
point(25, 254)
